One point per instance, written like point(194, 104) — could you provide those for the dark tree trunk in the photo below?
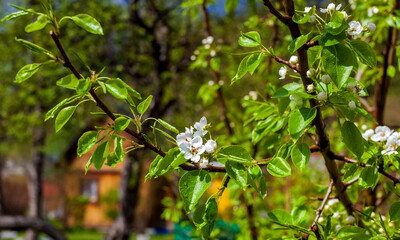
point(35, 176)
point(1, 184)
point(121, 229)
point(22, 223)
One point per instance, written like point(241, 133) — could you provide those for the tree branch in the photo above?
point(314, 226)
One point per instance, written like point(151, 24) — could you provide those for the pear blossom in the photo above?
point(210, 146)
point(201, 127)
point(310, 72)
point(345, 15)
point(193, 57)
point(391, 145)
point(372, 10)
point(330, 8)
point(282, 72)
point(322, 96)
point(253, 95)
point(307, 9)
point(186, 136)
point(368, 134)
point(294, 60)
point(326, 79)
point(332, 202)
point(382, 133)
point(298, 100)
point(370, 26)
point(350, 219)
point(310, 88)
point(336, 215)
point(312, 19)
point(352, 105)
point(203, 163)
point(193, 149)
point(355, 28)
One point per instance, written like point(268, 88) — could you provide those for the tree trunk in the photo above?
point(1, 184)
point(128, 192)
point(35, 176)
point(21, 223)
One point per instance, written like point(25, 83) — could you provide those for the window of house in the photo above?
point(90, 190)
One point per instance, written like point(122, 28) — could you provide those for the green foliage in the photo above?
point(86, 22)
point(192, 186)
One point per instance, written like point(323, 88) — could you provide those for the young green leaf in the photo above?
point(394, 211)
point(299, 121)
point(278, 167)
point(14, 15)
point(86, 142)
point(192, 186)
point(338, 61)
point(364, 52)
point(143, 106)
point(121, 123)
point(353, 232)
point(63, 116)
point(250, 39)
point(69, 81)
point(168, 126)
point(353, 138)
point(237, 172)
point(209, 217)
point(35, 48)
point(281, 216)
point(39, 24)
point(253, 61)
point(298, 43)
point(163, 165)
point(242, 70)
point(26, 72)
point(234, 153)
point(83, 86)
point(100, 154)
point(368, 177)
point(86, 22)
point(300, 155)
point(56, 108)
point(117, 88)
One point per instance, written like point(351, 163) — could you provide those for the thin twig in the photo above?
point(314, 226)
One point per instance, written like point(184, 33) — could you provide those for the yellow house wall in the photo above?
point(94, 212)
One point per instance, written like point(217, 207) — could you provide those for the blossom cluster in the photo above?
point(388, 137)
point(190, 143)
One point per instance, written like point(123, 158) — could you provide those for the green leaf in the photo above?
point(281, 216)
point(278, 167)
point(121, 123)
point(14, 15)
point(39, 24)
point(298, 43)
point(56, 108)
point(242, 70)
point(168, 126)
point(132, 91)
point(364, 52)
point(234, 153)
point(162, 165)
point(300, 155)
point(100, 154)
point(26, 72)
point(353, 233)
point(255, 173)
point(117, 88)
point(209, 217)
point(69, 81)
point(237, 172)
point(86, 22)
point(231, 5)
point(192, 186)
point(143, 106)
point(63, 117)
point(250, 39)
point(328, 39)
point(35, 48)
point(338, 61)
point(337, 24)
point(83, 86)
point(299, 121)
point(368, 177)
point(119, 152)
point(352, 138)
point(86, 142)
point(254, 61)
point(394, 211)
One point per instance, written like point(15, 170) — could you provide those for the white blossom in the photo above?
point(336, 215)
point(253, 95)
point(193, 57)
point(353, 87)
point(210, 83)
point(307, 9)
point(370, 26)
point(311, 72)
point(221, 82)
point(294, 60)
point(186, 136)
point(355, 28)
point(322, 96)
point(203, 163)
point(320, 219)
point(297, 99)
point(382, 133)
point(210, 146)
point(207, 46)
point(212, 53)
point(196, 52)
point(210, 39)
point(368, 134)
point(352, 105)
point(345, 15)
point(350, 219)
point(326, 78)
point(310, 88)
point(372, 10)
point(312, 19)
point(330, 8)
point(282, 72)
point(200, 127)
point(391, 145)
point(332, 202)
point(193, 149)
